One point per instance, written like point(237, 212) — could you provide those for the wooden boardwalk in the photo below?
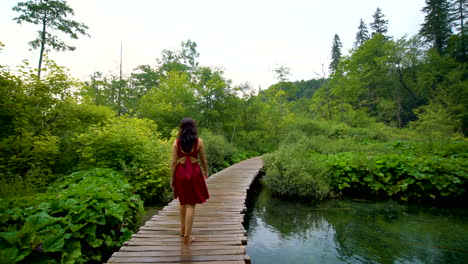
point(219, 234)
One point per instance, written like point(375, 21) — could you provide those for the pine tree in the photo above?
point(336, 54)
point(437, 26)
point(362, 35)
point(459, 12)
point(379, 26)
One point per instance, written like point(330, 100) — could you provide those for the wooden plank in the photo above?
point(194, 232)
point(195, 223)
point(199, 226)
point(176, 218)
point(181, 253)
point(202, 242)
point(176, 259)
point(211, 228)
point(177, 241)
point(210, 209)
point(193, 262)
point(179, 247)
point(203, 213)
point(150, 234)
point(199, 238)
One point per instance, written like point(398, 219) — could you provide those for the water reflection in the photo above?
point(347, 231)
point(149, 212)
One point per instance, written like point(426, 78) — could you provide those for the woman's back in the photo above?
point(188, 181)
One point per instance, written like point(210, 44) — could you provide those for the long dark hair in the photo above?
point(187, 134)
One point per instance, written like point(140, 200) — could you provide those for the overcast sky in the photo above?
point(247, 38)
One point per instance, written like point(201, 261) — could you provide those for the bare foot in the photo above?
point(188, 240)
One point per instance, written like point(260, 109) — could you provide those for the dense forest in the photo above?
point(78, 158)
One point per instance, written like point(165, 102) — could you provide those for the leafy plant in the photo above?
point(297, 170)
point(218, 150)
point(319, 166)
point(82, 218)
point(27, 162)
point(132, 146)
point(402, 176)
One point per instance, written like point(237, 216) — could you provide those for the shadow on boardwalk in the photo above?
point(220, 236)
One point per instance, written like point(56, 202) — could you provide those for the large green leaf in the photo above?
point(95, 242)
point(55, 239)
point(8, 255)
point(72, 253)
point(8, 238)
point(23, 253)
point(117, 211)
point(40, 220)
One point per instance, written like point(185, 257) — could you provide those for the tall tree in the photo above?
point(213, 91)
point(379, 26)
point(189, 54)
point(50, 15)
point(335, 54)
point(282, 73)
point(183, 60)
point(437, 26)
point(173, 100)
point(362, 34)
point(144, 78)
point(459, 12)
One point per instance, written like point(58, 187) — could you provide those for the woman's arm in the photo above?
point(203, 158)
point(173, 162)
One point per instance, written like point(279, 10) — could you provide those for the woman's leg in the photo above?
point(189, 216)
point(182, 219)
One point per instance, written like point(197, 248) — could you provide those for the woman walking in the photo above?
point(188, 181)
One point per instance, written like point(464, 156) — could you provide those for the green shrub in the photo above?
point(75, 119)
point(26, 163)
point(81, 219)
point(436, 126)
point(218, 150)
point(297, 170)
point(400, 175)
point(132, 146)
point(333, 130)
point(312, 127)
point(242, 155)
point(256, 141)
point(325, 145)
point(321, 165)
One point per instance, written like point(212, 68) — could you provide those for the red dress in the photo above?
point(190, 186)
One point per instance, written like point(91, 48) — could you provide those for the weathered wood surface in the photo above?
point(219, 234)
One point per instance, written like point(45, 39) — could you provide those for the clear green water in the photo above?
point(354, 231)
point(147, 214)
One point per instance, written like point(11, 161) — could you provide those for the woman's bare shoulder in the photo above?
point(200, 143)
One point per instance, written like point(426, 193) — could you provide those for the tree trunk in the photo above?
point(400, 74)
point(233, 133)
point(328, 100)
point(399, 110)
point(462, 32)
point(43, 39)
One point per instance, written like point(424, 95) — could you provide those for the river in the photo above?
point(354, 231)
